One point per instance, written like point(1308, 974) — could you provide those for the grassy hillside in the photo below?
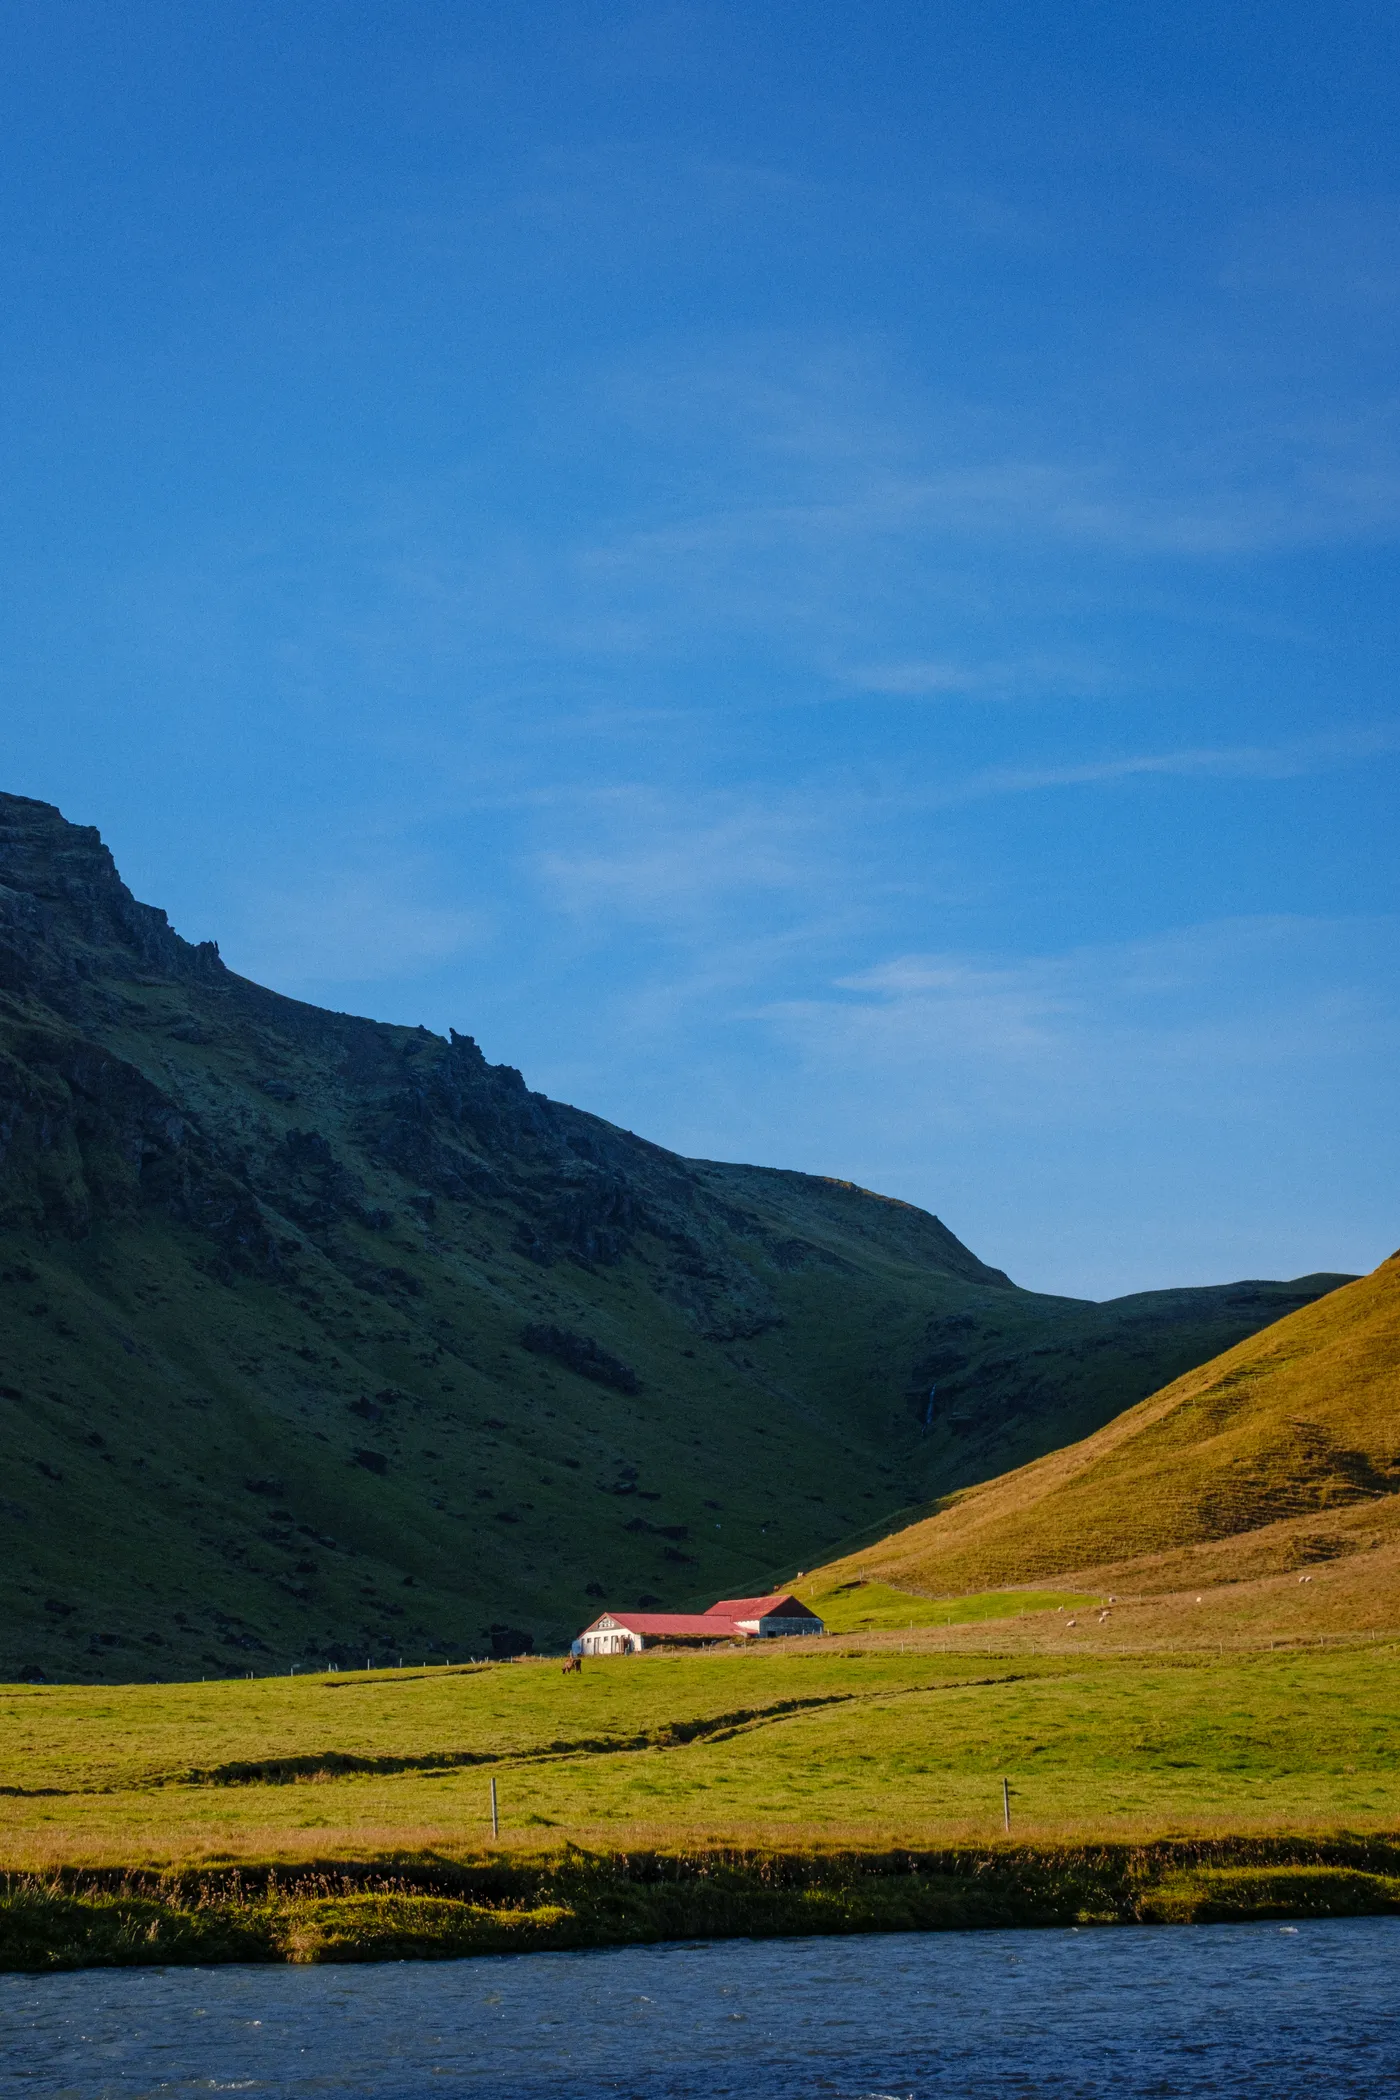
point(322, 1339)
point(1282, 1452)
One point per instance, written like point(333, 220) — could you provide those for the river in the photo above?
point(1264, 2010)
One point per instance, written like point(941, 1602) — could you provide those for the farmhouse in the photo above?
point(764, 1618)
point(736, 1619)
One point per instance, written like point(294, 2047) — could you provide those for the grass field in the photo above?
point(828, 1743)
point(851, 1783)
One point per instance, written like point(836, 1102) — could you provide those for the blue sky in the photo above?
point(819, 577)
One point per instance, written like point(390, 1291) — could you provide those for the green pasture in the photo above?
point(809, 1745)
point(874, 1607)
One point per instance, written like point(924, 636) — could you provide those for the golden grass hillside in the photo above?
point(1269, 1455)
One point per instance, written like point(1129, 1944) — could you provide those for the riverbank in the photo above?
point(343, 1912)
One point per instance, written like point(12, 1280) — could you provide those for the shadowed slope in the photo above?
point(1300, 1420)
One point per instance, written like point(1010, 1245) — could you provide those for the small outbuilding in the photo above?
point(767, 1618)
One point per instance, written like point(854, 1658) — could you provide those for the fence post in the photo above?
point(495, 1813)
point(1006, 1805)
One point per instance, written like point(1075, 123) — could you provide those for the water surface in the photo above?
point(1137, 2013)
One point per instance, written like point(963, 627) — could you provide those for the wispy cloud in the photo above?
point(1339, 251)
point(1190, 1019)
point(369, 927)
point(709, 868)
point(821, 506)
point(672, 860)
point(993, 679)
point(805, 451)
point(1283, 761)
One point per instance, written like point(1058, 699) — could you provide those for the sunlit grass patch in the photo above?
point(857, 1606)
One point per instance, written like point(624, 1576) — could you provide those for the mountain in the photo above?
point(1280, 1453)
point(324, 1338)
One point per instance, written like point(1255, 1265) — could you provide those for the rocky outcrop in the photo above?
point(85, 1136)
point(64, 910)
point(582, 1354)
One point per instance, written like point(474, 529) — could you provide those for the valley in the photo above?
point(1202, 1730)
point(325, 1340)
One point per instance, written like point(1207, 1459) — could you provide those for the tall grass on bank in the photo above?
point(573, 1899)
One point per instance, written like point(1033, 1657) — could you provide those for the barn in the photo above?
point(737, 1619)
point(767, 1618)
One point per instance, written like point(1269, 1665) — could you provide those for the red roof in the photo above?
point(778, 1606)
point(679, 1625)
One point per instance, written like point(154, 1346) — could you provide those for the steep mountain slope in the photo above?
point(321, 1337)
point(1283, 1451)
